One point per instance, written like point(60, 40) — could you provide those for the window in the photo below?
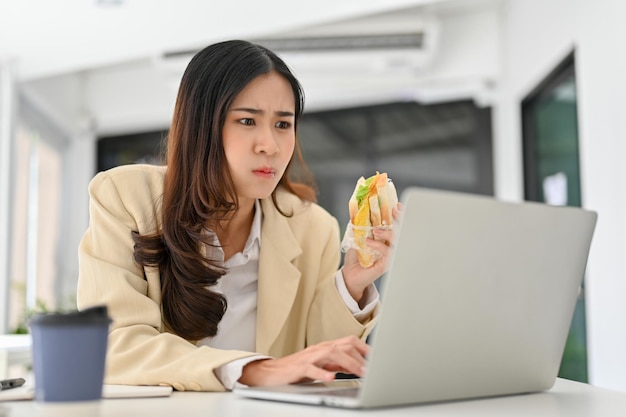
point(35, 228)
point(35, 269)
point(443, 145)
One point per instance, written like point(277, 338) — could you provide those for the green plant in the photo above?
point(40, 307)
point(66, 305)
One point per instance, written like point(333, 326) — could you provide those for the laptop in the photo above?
point(477, 302)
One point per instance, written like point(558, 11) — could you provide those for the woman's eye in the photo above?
point(283, 125)
point(247, 122)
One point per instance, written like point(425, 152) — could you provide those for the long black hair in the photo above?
point(198, 187)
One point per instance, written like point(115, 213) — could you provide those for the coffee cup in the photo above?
point(69, 353)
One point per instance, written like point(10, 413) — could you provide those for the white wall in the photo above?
point(79, 164)
point(538, 34)
point(59, 99)
point(465, 64)
point(602, 91)
point(8, 102)
point(467, 45)
point(131, 98)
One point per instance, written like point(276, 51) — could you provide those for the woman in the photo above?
point(219, 269)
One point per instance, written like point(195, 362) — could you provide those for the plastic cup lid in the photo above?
point(93, 315)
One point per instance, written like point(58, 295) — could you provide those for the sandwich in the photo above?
point(371, 205)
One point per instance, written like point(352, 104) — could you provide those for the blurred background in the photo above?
point(519, 99)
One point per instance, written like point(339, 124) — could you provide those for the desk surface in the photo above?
point(566, 398)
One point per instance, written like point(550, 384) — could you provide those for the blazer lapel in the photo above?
point(278, 277)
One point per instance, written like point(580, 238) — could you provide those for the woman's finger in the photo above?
point(347, 363)
point(380, 245)
point(358, 344)
point(396, 211)
point(314, 372)
point(383, 235)
point(348, 355)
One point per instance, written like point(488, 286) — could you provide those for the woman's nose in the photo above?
point(266, 143)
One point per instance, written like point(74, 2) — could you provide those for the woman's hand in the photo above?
point(356, 277)
point(317, 362)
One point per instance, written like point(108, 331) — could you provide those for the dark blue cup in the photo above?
point(69, 353)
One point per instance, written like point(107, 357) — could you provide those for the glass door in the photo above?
point(552, 175)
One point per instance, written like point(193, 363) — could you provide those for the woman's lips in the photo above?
point(265, 173)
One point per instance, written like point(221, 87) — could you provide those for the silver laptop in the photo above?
point(478, 302)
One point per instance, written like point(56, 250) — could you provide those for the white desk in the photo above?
point(567, 398)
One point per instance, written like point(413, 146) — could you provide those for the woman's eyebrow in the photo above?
point(281, 113)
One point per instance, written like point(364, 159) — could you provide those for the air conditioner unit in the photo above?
point(356, 54)
point(353, 50)
point(366, 60)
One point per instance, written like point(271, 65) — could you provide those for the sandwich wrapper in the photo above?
point(350, 241)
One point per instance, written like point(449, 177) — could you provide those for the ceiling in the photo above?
point(50, 37)
point(126, 57)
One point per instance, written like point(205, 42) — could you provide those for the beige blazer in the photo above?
point(298, 303)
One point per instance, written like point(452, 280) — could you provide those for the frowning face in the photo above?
point(259, 135)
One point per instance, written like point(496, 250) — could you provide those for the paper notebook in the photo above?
point(27, 392)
